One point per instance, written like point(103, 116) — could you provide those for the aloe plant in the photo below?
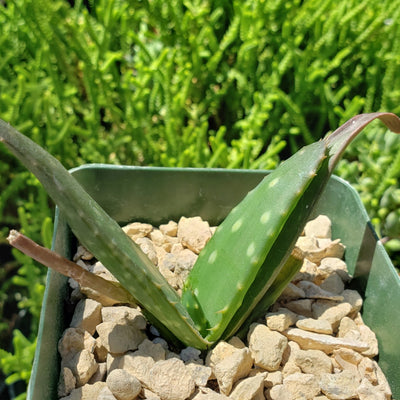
point(244, 266)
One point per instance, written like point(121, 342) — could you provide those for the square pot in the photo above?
point(157, 195)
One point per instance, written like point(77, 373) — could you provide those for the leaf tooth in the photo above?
point(255, 260)
point(214, 328)
point(283, 213)
point(223, 310)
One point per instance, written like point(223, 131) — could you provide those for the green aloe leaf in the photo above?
point(237, 275)
point(102, 236)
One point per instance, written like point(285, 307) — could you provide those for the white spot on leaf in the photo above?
point(236, 226)
point(251, 249)
point(265, 217)
point(212, 257)
point(273, 182)
point(255, 260)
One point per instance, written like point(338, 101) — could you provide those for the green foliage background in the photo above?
point(187, 83)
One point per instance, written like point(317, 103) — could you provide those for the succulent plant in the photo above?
point(244, 266)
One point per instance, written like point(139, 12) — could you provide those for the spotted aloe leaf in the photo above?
point(238, 273)
point(101, 235)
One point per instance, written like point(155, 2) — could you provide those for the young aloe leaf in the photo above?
point(230, 271)
point(240, 266)
point(240, 326)
point(102, 236)
point(250, 309)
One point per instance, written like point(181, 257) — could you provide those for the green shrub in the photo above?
point(198, 83)
point(18, 364)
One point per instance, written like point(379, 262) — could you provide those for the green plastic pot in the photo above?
point(157, 195)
